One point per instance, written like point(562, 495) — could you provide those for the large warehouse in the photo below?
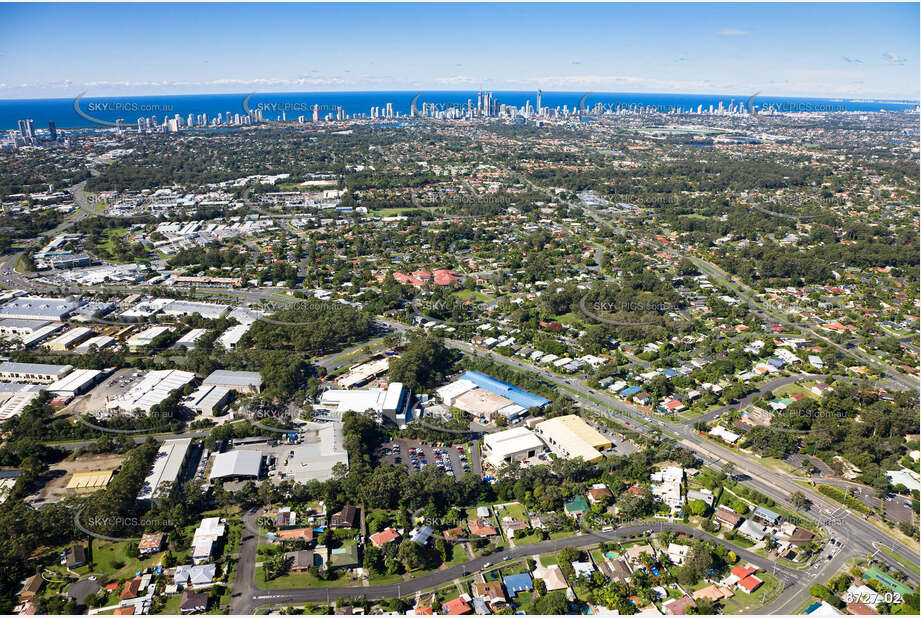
point(38, 308)
point(39, 373)
point(516, 444)
point(483, 396)
point(570, 436)
point(516, 395)
point(76, 382)
point(391, 402)
point(240, 381)
point(153, 389)
point(236, 465)
point(167, 467)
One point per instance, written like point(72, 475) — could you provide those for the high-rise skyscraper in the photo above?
point(53, 131)
point(538, 103)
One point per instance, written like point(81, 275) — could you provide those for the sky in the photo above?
point(115, 49)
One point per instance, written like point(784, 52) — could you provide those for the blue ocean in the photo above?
point(294, 105)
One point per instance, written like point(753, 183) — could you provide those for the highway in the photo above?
point(841, 524)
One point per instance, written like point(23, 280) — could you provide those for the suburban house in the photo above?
point(193, 602)
point(576, 506)
point(31, 587)
point(480, 527)
point(346, 518)
point(725, 516)
point(189, 575)
point(677, 553)
point(383, 537)
point(456, 607)
point(598, 493)
point(753, 531)
point(552, 576)
point(151, 543)
point(678, 607)
point(518, 583)
point(76, 556)
point(492, 593)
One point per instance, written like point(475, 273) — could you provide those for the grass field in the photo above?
point(382, 580)
point(113, 236)
point(534, 537)
point(171, 607)
point(514, 510)
point(300, 580)
point(107, 554)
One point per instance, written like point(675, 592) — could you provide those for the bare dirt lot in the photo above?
point(59, 474)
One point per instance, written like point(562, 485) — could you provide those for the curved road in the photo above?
point(247, 596)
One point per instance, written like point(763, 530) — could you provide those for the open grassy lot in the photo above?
point(114, 560)
point(382, 580)
point(514, 510)
point(535, 536)
point(301, 580)
point(744, 602)
point(171, 607)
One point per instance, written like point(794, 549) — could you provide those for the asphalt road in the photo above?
point(745, 401)
point(247, 596)
point(776, 485)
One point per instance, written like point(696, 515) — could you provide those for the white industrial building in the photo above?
point(239, 381)
point(450, 392)
point(76, 382)
point(205, 310)
point(69, 339)
point(28, 332)
point(189, 339)
point(516, 444)
point(231, 337)
point(362, 374)
point(208, 399)
point(146, 337)
point(42, 334)
point(13, 406)
point(17, 328)
point(236, 465)
point(38, 373)
point(391, 402)
point(153, 389)
point(39, 308)
point(167, 467)
point(100, 341)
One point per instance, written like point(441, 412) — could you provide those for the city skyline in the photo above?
point(826, 50)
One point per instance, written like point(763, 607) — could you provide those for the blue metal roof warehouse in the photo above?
point(514, 394)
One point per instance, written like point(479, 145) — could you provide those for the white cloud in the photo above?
point(893, 58)
point(457, 80)
point(732, 32)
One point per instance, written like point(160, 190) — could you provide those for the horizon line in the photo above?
point(87, 95)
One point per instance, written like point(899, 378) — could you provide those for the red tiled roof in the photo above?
point(455, 607)
point(130, 591)
point(743, 571)
point(294, 534)
point(750, 583)
point(384, 536)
